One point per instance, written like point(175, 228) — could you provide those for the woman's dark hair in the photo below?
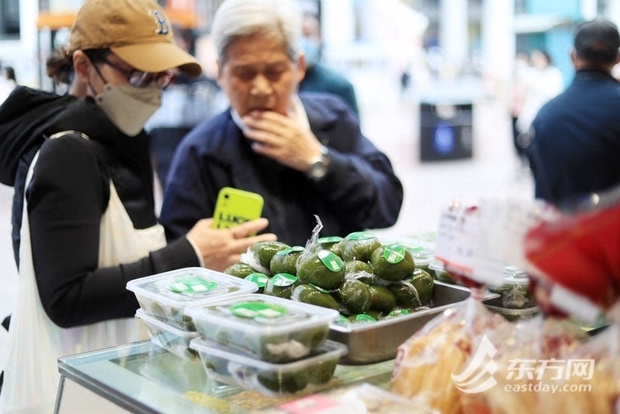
point(9, 72)
point(60, 63)
point(59, 67)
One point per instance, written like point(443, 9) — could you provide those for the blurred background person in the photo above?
point(576, 136)
point(517, 96)
point(319, 77)
point(185, 103)
point(8, 82)
point(541, 82)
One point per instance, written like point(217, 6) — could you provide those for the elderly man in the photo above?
point(305, 154)
point(576, 136)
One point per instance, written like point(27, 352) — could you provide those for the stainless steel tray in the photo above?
point(377, 342)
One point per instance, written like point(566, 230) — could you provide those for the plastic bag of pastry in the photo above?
point(590, 380)
point(356, 399)
point(431, 363)
point(523, 366)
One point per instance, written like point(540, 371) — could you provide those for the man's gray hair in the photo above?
point(234, 19)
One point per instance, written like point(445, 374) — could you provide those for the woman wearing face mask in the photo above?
point(88, 224)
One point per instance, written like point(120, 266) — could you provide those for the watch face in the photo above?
point(318, 170)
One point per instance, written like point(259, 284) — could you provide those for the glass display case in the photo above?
point(144, 378)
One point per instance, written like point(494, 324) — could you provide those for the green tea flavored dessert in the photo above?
point(392, 262)
point(281, 285)
point(382, 299)
point(424, 284)
point(307, 293)
point(323, 269)
point(285, 261)
point(264, 251)
point(240, 270)
point(354, 296)
point(358, 246)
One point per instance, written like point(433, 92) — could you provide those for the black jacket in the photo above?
point(576, 140)
point(359, 192)
point(67, 197)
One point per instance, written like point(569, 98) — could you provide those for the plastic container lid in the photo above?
point(270, 327)
point(167, 294)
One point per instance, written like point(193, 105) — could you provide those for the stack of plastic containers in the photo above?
point(264, 343)
point(164, 297)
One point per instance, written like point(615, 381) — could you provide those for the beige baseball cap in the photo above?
point(137, 31)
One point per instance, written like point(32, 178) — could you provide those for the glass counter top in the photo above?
point(144, 378)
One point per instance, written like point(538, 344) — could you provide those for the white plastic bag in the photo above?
point(35, 342)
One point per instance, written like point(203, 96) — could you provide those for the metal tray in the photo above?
point(377, 342)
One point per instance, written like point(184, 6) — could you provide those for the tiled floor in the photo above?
point(393, 124)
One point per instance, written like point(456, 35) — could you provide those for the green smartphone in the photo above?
point(234, 206)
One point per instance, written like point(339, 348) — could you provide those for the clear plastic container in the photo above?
point(169, 337)
point(166, 295)
point(266, 327)
point(515, 292)
point(440, 272)
point(515, 314)
point(271, 379)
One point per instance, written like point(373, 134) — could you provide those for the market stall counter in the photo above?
point(144, 378)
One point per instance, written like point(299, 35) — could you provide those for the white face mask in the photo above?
point(129, 107)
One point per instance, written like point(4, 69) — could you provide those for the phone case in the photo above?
point(235, 207)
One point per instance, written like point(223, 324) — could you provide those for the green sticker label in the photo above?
point(394, 253)
point(360, 235)
point(342, 320)
point(331, 260)
point(259, 278)
point(364, 317)
point(399, 312)
point(294, 249)
point(253, 310)
point(192, 285)
point(329, 239)
point(283, 279)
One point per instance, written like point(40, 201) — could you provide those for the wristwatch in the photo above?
point(318, 166)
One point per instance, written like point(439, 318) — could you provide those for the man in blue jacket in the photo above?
point(305, 154)
point(576, 136)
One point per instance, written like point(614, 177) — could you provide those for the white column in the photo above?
point(337, 30)
point(612, 12)
point(588, 9)
point(453, 34)
point(498, 43)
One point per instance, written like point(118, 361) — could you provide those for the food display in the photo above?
point(169, 337)
point(166, 295)
point(265, 327)
point(274, 379)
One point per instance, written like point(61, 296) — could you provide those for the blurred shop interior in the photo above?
point(441, 40)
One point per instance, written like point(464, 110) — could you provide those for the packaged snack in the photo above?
point(426, 362)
